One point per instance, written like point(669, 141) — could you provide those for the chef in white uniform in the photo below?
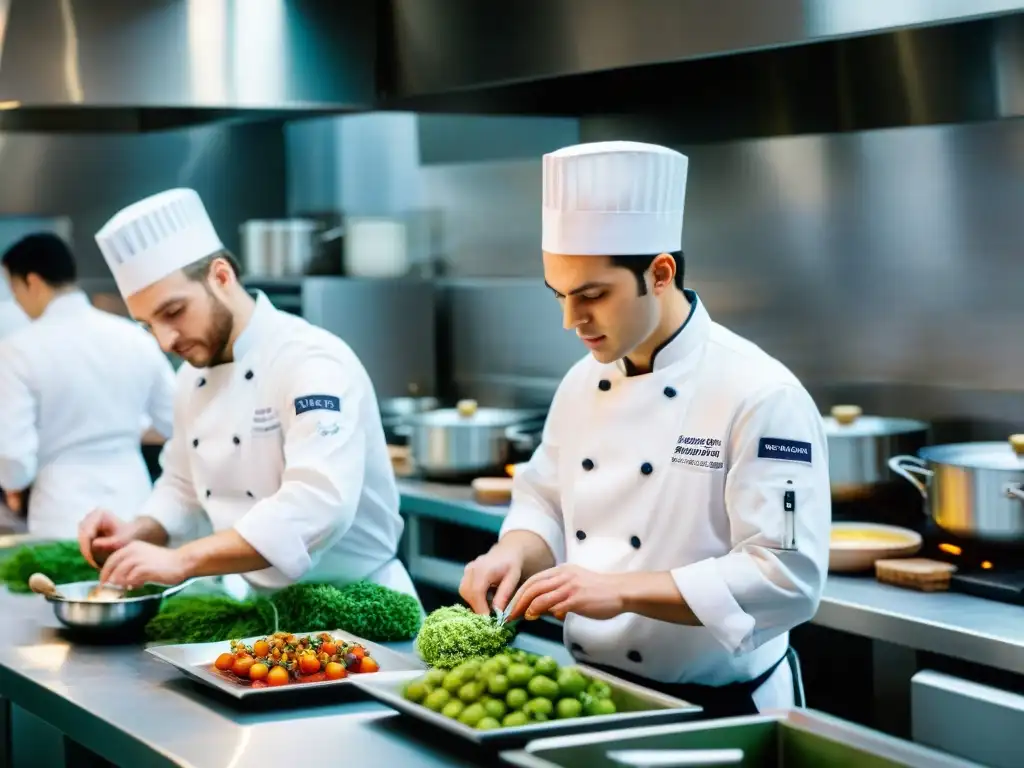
point(12, 317)
point(677, 512)
point(77, 384)
point(277, 432)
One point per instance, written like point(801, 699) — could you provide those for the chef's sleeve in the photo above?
point(19, 436)
point(536, 501)
point(778, 502)
point(173, 502)
point(322, 407)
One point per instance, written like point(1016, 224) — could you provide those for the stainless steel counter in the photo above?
point(131, 709)
point(956, 625)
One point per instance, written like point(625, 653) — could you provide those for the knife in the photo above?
point(675, 758)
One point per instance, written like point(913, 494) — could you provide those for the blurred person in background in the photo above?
point(78, 387)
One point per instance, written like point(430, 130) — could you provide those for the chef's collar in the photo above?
point(260, 324)
point(689, 337)
point(65, 303)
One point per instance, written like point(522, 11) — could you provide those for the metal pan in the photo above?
point(118, 617)
point(196, 659)
point(637, 706)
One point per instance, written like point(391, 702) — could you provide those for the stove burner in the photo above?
point(1004, 586)
point(992, 570)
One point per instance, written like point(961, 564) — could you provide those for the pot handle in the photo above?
point(521, 438)
point(909, 466)
point(1014, 491)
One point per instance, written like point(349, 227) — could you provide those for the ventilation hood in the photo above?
point(710, 71)
point(142, 65)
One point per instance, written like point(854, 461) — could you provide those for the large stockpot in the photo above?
point(974, 490)
point(860, 447)
point(466, 440)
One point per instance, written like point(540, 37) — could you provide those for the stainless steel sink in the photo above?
point(798, 738)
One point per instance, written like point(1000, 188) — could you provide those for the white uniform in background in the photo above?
point(285, 444)
point(11, 316)
point(713, 466)
point(75, 387)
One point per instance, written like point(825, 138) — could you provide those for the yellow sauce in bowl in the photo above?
point(868, 536)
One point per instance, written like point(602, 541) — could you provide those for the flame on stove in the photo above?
point(510, 470)
point(986, 565)
point(951, 549)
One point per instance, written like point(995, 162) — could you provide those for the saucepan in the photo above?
point(468, 440)
point(860, 447)
point(975, 490)
point(95, 609)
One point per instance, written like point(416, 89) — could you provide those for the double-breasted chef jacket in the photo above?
point(285, 445)
point(77, 388)
point(713, 467)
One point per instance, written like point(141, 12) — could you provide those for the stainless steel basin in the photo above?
point(797, 738)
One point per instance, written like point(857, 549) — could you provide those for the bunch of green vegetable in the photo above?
point(371, 611)
point(62, 561)
point(511, 689)
point(454, 634)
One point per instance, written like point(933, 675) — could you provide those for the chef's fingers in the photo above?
point(473, 589)
point(546, 601)
point(113, 564)
point(88, 529)
point(537, 585)
point(506, 587)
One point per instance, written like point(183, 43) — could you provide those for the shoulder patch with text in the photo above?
point(317, 403)
point(784, 450)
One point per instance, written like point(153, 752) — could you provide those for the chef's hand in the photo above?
point(569, 589)
point(502, 567)
point(101, 534)
point(138, 563)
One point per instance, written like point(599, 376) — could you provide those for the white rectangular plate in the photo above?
point(637, 706)
point(196, 661)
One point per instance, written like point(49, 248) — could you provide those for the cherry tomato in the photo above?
point(258, 671)
point(366, 664)
point(309, 664)
point(225, 662)
point(335, 671)
point(277, 676)
point(261, 649)
point(358, 651)
point(329, 648)
point(242, 666)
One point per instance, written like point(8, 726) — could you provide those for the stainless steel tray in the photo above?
point(636, 705)
point(196, 659)
point(787, 739)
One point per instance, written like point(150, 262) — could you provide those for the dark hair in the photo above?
point(198, 270)
point(42, 254)
point(638, 265)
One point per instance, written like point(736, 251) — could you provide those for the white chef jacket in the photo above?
point(76, 387)
point(713, 467)
point(285, 445)
point(11, 316)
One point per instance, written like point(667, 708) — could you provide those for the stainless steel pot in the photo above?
point(860, 448)
point(461, 441)
point(974, 490)
point(395, 411)
point(120, 617)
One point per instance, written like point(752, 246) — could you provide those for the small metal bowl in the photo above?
point(93, 617)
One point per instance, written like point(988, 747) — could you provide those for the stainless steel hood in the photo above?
point(711, 71)
point(141, 65)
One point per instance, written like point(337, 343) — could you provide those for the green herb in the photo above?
point(368, 610)
point(62, 561)
point(454, 634)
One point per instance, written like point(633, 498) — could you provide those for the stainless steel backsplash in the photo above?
point(883, 267)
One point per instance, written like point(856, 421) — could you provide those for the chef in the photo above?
point(277, 433)
point(676, 515)
point(77, 384)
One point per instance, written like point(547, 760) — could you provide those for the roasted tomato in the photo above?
point(258, 671)
point(358, 651)
point(330, 648)
point(242, 666)
point(367, 664)
point(309, 664)
point(277, 676)
point(225, 662)
point(335, 671)
point(261, 648)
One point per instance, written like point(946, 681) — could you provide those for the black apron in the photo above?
point(732, 700)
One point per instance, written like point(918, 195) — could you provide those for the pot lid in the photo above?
point(1006, 454)
point(849, 421)
point(468, 414)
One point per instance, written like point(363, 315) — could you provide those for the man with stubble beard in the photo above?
point(277, 433)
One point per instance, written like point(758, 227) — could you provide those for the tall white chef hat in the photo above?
point(613, 198)
point(154, 237)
